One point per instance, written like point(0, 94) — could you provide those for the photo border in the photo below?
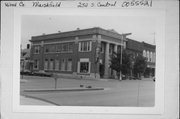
point(160, 62)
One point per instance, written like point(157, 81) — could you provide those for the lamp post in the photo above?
point(120, 73)
point(123, 40)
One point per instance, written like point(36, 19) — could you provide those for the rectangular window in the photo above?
point(64, 47)
point(70, 47)
point(36, 49)
point(63, 65)
point(110, 49)
point(102, 48)
point(49, 48)
point(46, 49)
point(56, 64)
point(51, 66)
point(52, 48)
point(84, 67)
point(69, 65)
point(46, 64)
point(36, 64)
point(58, 48)
point(85, 46)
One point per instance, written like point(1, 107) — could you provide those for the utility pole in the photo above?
point(120, 74)
point(154, 39)
point(123, 40)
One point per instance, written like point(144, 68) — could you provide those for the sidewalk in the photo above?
point(31, 101)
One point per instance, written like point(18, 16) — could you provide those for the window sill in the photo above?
point(84, 51)
point(58, 52)
point(83, 73)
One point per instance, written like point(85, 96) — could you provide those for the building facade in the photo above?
point(81, 53)
point(25, 63)
point(149, 51)
point(146, 50)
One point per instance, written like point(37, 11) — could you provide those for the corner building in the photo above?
point(80, 53)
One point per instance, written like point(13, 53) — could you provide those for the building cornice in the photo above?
point(90, 31)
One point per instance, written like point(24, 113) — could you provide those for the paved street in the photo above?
point(115, 93)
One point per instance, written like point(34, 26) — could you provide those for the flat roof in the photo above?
point(78, 32)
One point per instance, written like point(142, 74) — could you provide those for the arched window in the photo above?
point(147, 55)
point(144, 53)
point(154, 56)
point(151, 57)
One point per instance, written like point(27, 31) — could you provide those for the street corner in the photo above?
point(30, 100)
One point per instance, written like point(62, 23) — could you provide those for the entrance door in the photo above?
point(101, 70)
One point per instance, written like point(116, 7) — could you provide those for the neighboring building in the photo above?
point(82, 53)
point(147, 50)
point(134, 47)
point(25, 63)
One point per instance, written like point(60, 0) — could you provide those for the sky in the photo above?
point(141, 27)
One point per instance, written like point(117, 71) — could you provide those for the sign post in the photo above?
point(55, 76)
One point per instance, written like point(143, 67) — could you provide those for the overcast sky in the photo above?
point(142, 28)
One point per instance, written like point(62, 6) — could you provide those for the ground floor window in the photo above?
point(69, 65)
point(84, 67)
point(36, 64)
point(63, 65)
point(56, 65)
point(46, 64)
point(51, 67)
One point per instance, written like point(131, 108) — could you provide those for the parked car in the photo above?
point(26, 72)
point(42, 73)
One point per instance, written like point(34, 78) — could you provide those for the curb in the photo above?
point(58, 90)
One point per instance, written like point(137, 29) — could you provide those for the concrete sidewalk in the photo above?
point(32, 101)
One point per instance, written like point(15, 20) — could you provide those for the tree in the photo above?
point(140, 65)
point(126, 63)
point(115, 62)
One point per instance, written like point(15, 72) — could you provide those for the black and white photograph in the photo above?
point(88, 60)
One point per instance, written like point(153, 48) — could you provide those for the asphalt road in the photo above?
point(116, 93)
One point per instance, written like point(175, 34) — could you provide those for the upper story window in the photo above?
point(144, 53)
point(102, 47)
point(151, 57)
point(148, 58)
point(110, 49)
point(67, 47)
point(50, 48)
point(63, 47)
point(85, 46)
point(154, 55)
point(36, 49)
point(70, 47)
point(58, 48)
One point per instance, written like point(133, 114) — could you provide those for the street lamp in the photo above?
point(120, 74)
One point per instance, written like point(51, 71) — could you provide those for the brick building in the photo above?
point(78, 53)
point(25, 63)
point(147, 50)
